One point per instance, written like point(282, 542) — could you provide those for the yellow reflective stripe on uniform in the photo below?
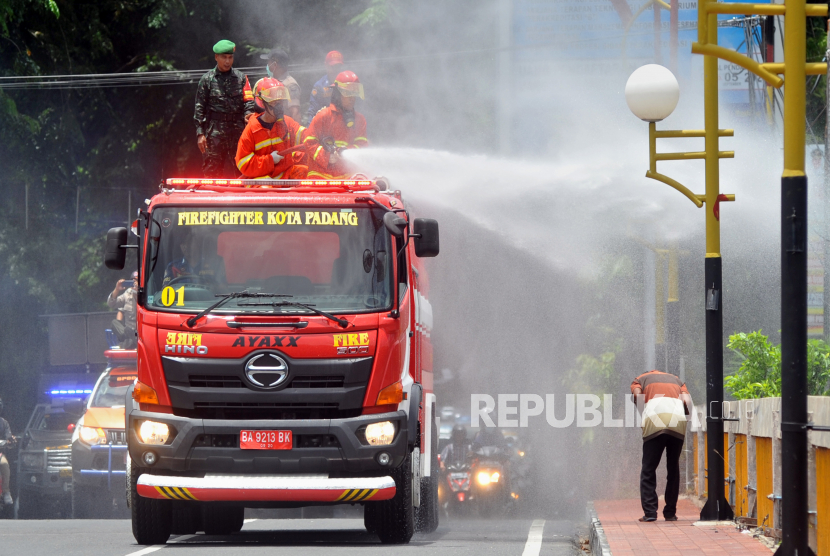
point(244, 161)
point(310, 138)
point(278, 176)
point(341, 143)
point(317, 152)
point(356, 139)
point(299, 134)
point(267, 143)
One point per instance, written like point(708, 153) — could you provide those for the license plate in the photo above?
point(459, 476)
point(66, 473)
point(265, 440)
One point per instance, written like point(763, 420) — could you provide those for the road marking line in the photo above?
point(250, 520)
point(534, 538)
point(153, 548)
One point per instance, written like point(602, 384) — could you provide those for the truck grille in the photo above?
point(218, 381)
point(307, 381)
point(317, 382)
point(253, 410)
point(59, 458)
point(204, 388)
point(117, 436)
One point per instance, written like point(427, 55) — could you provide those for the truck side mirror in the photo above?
point(425, 234)
point(394, 223)
point(115, 255)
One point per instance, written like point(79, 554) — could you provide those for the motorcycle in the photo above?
point(490, 485)
point(9, 449)
point(458, 481)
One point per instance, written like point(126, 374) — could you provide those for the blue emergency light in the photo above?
point(68, 392)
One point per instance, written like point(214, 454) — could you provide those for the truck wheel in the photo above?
point(396, 517)
point(427, 514)
point(151, 518)
point(370, 517)
point(186, 518)
point(222, 520)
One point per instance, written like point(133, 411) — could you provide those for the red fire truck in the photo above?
point(284, 356)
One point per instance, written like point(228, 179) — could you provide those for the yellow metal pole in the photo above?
point(795, 54)
point(717, 508)
point(674, 281)
point(710, 99)
point(652, 146)
point(794, 225)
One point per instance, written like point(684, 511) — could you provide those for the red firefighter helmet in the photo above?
point(348, 84)
point(268, 90)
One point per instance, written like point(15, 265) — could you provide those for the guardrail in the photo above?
point(752, 464)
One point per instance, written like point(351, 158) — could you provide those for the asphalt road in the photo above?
point(336, 536)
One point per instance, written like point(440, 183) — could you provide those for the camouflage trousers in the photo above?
point(219, 158)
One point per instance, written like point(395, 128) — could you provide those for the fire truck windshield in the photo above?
point(335, 259)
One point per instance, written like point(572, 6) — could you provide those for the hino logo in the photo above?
point(266, 370)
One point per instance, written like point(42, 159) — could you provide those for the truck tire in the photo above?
point(151, 518)
point(370, 517)
point(186, 518)
point(427, 514)
point(222, 520)
point(396, 517)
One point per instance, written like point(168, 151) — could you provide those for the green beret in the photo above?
point(224, 47)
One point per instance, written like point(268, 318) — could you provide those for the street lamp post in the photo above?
point(652, 93)
point(794, 425)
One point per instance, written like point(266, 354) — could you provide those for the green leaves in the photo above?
point(759, 375)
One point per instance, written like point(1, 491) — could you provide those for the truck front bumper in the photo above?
point(329, 447)
point(263, 488)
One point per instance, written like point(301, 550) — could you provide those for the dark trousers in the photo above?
point(125, 334)
point(652, 453)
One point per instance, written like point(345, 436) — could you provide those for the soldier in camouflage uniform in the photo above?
point(224, 102)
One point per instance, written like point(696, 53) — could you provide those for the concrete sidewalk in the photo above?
point(626, 536)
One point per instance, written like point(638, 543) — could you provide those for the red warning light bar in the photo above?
point(198, 183)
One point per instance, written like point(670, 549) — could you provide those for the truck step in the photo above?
point(272, 488)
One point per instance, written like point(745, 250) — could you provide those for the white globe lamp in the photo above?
point(652, 92)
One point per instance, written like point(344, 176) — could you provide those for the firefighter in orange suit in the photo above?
point(335, 128)
point(268, 135)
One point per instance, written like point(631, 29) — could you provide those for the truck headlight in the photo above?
point(154, 433)
point(380, 434)
point(92, 435)
point(483, 478)
point(32, 460)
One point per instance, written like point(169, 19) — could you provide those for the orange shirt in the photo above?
point(253, 153)
point(329, 122)
point(654, 383)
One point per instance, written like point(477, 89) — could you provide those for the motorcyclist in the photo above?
point(458, 450)
point(488, 437)
point(6, 440)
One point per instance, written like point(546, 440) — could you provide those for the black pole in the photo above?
point(794, 484)
point(717, 508)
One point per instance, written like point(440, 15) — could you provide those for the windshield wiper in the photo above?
point(227, 297)
point(342, 322)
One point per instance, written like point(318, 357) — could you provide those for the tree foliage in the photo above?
point(759, 375)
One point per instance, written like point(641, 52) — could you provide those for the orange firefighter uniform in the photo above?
point(330, 123)
point(253, 154)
